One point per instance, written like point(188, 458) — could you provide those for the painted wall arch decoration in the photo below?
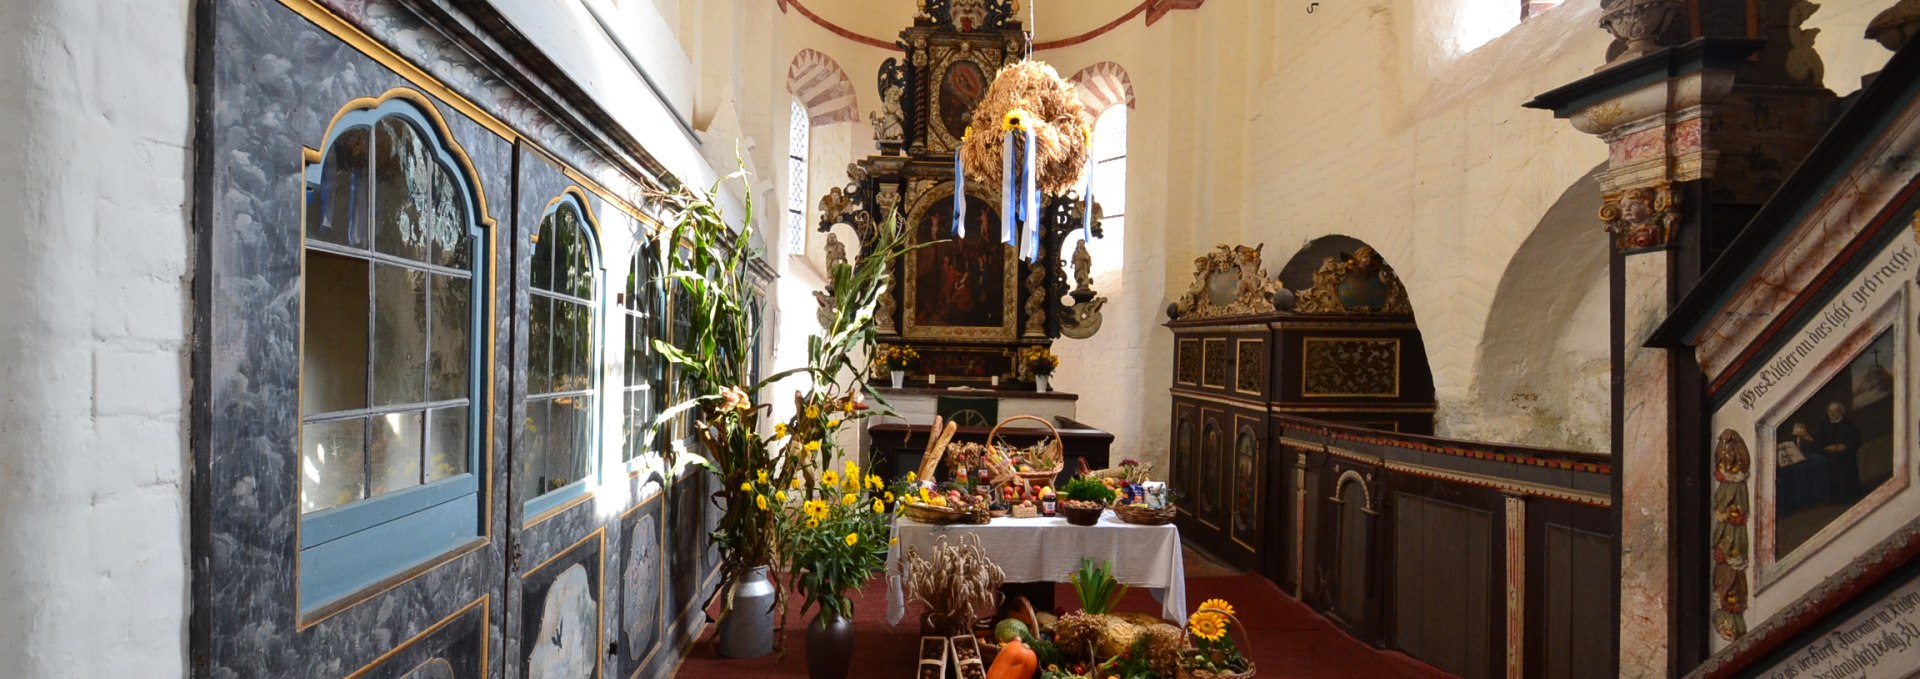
point(1366, 492)
point(1103, 85)
point(820, 85)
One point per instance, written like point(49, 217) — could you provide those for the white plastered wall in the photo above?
point(93, 361)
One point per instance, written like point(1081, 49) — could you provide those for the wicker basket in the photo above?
point(1082, 516)
point(1244, 641)
point(943, 515)
point(1144, 516)
point(1038, 477)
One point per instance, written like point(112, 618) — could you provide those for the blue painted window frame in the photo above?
point(345, 549)
point(543, 502)
point(639, 308)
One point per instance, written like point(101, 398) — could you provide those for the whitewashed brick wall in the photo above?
point(94, 295)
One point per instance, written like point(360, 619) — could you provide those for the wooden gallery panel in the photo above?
point(1247, 468)
point(1577, 566)
point(1447, 621)
point(1210, 487)
point(1186, 451)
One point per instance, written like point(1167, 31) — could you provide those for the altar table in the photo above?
point(1049, 549)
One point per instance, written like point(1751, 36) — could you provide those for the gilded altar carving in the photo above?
point(1036, 307)
point(1350, 366)
point(1642, 217)
point(1361, 283)
point(889, 123)
point(1083, 319)
point(1229, 281)
point(1731, 507)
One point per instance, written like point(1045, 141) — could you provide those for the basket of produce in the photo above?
point(1038, 464)
point(942, 510)
point(1141, 514)
point(1215, 653)
point(1085, 499)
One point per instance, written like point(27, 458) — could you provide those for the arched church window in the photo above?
point(1109, 168)
point(393, 290)
point(562, 355)
point(798, 129)
point(638, 305)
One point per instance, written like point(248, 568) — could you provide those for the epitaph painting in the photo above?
point(1834, 448)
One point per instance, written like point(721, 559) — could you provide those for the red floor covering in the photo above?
point(1288, 639)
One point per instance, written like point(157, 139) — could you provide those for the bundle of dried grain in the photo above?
point(1062, 134)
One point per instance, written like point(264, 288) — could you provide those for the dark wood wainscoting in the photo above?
point(1482, 560)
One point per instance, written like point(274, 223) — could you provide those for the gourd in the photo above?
point(1015, 661)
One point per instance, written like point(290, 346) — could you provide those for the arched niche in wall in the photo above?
point(1543, 364)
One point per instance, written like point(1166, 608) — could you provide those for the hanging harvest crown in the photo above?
point(1043, 144)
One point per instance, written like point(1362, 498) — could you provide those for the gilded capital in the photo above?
point(1640, 218)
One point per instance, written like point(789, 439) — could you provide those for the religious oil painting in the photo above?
point(962, 87)
point(560, 622)
point(960, 286)
point(1835, 448)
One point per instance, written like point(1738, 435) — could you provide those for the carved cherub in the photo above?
point(1640, 217)
point(834, 205)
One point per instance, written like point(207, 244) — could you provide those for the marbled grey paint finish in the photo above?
point(423, 43)
point(275, 81)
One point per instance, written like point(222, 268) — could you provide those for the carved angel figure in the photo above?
point(836, 251)
point(1082, 268)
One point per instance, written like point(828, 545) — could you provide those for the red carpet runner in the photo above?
point(1288, 639)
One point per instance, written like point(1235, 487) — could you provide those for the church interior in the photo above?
point(984, 339)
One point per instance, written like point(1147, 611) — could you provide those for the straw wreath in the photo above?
point(1061, 131)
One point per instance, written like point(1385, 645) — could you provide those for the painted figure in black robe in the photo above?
point(1839, 438)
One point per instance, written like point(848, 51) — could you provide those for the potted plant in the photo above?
point(1041, 363)
point(707, 263)
point(834, 535)
point(1086, 498)
point(897, 360)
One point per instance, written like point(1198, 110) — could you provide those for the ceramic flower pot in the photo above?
point(829, 646)
point(899, 378)
point(746, 626)
point(1040, 383)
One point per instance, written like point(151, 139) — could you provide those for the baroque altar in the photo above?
point(968, 304)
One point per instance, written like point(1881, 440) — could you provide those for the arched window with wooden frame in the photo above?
point(394, 300)
point(563, 354)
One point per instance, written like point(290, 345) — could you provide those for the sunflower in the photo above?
point(813, 447)
point(830, 478)
point(888, 497)
point(853, 539)
point(853, 469)
point(780, 496)
point(848, 499)
point(912, 477)
point(763, 476)
point(760, 500)
point(873, 481)
point(1207, 625)
point(794, 484)
point(813, 523)
point(746, 486)
point(879, 507)
point(813, 412)
point(814, 510)
point(1217, 606)
point(780, 430)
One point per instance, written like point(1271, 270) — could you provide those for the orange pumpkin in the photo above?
point(1015, 661)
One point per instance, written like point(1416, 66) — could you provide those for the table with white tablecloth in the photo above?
point(1048, 549)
